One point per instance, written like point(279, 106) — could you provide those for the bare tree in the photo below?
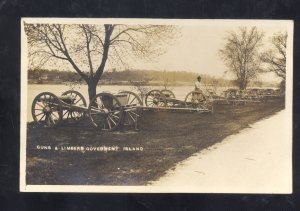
point(241, 54)
point(275, 58)
point(87, 48)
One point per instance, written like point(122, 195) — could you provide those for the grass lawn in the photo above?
point(165, 138)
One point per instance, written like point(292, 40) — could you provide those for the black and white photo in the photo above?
point(156, 105)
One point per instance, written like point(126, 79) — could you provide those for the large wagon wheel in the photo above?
point(131, 111)
point(132, 98)
point(105, 111)
point(155, 98)
point(46, 109)
point(195, 99)
point(73, 99)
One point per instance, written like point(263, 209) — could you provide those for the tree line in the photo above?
point(163, 78)
point(36, 75)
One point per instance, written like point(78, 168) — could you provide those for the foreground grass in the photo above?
point(165, 138)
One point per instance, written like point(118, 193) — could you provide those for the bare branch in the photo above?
point(275, 58)
point(88, 38)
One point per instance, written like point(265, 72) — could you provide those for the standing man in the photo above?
point(197, 84)
point(198, 94)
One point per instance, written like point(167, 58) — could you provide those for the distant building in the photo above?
point(44, 77)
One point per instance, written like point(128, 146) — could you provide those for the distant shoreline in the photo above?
point(112, 84)
point(150, 84)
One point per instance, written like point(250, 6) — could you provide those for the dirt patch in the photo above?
point(79, 155)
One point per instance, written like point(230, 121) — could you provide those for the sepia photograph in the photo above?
point(156, 105)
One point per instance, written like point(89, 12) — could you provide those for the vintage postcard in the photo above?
point(156, 105)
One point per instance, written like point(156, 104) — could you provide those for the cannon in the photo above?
point(106, 111)
point(165, 100)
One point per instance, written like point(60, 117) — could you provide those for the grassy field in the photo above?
point(163, 139)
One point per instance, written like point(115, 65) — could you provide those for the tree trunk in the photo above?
point(92, 85)
point(242, 84)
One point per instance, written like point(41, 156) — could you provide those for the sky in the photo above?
point(197, 45)
point(196, 50)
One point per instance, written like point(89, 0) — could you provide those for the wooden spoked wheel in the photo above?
point(195, 99)
point(73, 100)
point(105, 111)
point(46, 109)
point(132, 99)
point(131, 110)
point(155, 98)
